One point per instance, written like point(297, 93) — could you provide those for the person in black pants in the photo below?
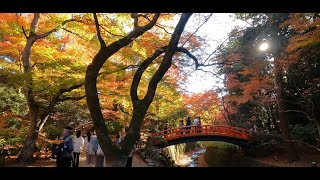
point(129, 159)
point(78, 144)
point(64, 158)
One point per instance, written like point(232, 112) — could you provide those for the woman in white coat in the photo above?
point(78, 142)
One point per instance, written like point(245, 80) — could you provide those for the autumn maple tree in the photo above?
point(131, 68)
point(33, 50)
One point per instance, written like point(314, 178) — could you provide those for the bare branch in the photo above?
point(143, 15)
point(137, 76)
point(43, 35)
point(70, 88)
point(134, 16)
point(119, 69)
point(186, 51)
point(24, 32)
point(69, 20)
point(71, 98)
point(102, 43)
point(42, 90)
point(304, 144)
point(34, 64)
point(157, 24)
point(57, 99)
point(304, 97)
point(206, 20)
point(74, 33)
point(219, 47)
point(161, 27)
point(216, 50)
point(111, 32)
point(297, 111)
point(214, 74)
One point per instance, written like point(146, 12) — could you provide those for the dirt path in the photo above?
point(136, 161)
point(49, 162)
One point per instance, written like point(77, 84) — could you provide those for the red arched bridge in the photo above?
point(185, 134)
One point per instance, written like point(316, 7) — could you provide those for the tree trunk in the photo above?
point(268, 124)
point(115, 156)
point(118, 156)
point(26, 153)
point(284, 124)
point(37, 121)
point(29, 146)
point(140, 106)
point(274, 119)
point(116, 160)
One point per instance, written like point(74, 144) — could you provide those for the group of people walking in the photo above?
point(196, 122)
point(94, 153)
point(186, 125)
point(68, 151)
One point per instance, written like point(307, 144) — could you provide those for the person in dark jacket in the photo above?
point(64, 158)
point(188, 123)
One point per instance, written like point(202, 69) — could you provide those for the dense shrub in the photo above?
point(114, 126)
point(306, 133)
point(53, 131)
point(11, 98)
point(14, 123)
point(219, 154)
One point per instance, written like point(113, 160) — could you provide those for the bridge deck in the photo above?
point(204, 130)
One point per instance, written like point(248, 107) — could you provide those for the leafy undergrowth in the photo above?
point(281, 160)
point(219, 154)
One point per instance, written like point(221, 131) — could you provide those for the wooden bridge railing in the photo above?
point(204, 130)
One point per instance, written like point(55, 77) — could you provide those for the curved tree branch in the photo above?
point(167, 59)
point(140, 107)
point(102, 43)
point(76, 98)
point(91, 89)
point(196, 61)
point(24, 32)
point(69, 31)
point(157, 24)
point(140, 71)
point(111, 32)
point(34, 23)
point(135, 17)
